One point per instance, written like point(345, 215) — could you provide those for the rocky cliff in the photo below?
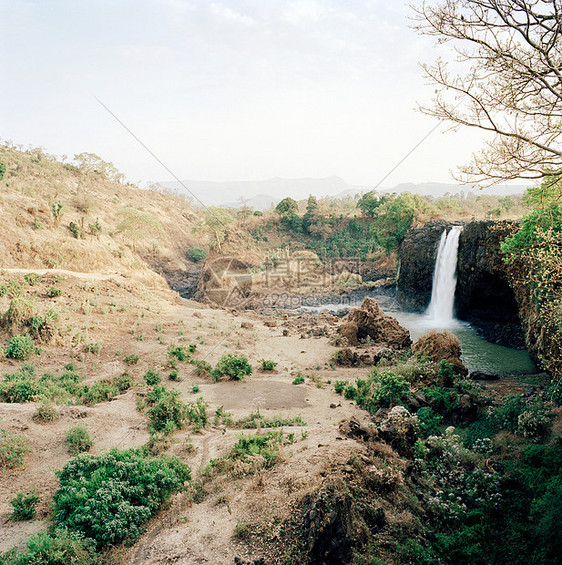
point(483, 296)
point(417, 262)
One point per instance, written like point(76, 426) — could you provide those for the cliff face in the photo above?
point(417, 262)
point(483, 295)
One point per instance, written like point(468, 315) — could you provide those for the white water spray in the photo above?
point(440, 309)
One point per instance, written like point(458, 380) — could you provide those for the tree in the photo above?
point(287, 206)
point(92, 163)
point(214, 225)
point(511, 85)
point(369, 202)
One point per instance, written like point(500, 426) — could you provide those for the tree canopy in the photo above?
point(507, 81)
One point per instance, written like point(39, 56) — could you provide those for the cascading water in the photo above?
point(440, 310)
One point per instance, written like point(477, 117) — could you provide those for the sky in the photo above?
point(229, 90)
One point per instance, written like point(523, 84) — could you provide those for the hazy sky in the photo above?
point(226, 90)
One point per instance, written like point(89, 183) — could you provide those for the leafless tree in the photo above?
point(506, 79)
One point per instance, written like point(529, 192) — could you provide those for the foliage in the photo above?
point(197, 254)
point(54, 291)
point(250, 454)
point(152, 377)
point(429, 423)
point(46, 412)
point(94, 164)
point(24, 505)
point(109, 497)
point(100, 391)
point(173, 375)
point(202, 368)
point(256, 420)
point(61, 547)
point(298, 380)
point(167, 412)
point(233, 366)
point(268, 365)
point(123, 382)
point(13, 447)
point(78, 439)
point(32, 279)
point(2, 170)
point(182, 352)
point(369, 202)
point(131, 359)
point(214, 224)
point(20, 347)
point(392, 390)
point(287, 206)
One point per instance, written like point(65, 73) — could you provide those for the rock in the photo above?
point(441, 345)
point(346, 358)
point(270, 324)
point(374, 325)
point(384, 354)
point(417, 263)
point(348, 330)
point(247, 325)
point(285, 333)
point(481, 376)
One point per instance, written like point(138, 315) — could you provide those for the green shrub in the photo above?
point(196, 254)
point(131, 359)
point(444, 399)
point(196, 413)
point(78, 439)
point(250, 454)
point(20, 386)
point(174, 376)
point(94, 348)
point(13, 447)
point(102, 391)
point(255, 420)
point(60, 547)
point(232, 366)
point(24, 505)
point(195, 389)
point(152, 377)
point(167, 412)
point(268, 365)
point(46, 413)
point(349, 392)
point(339, 386)
point(32, 279)
point(2, 170)
point(393, 389)
point(182, 352)
point(54, 291)
point(202, 368)
point(429, 422)
point(298, 380)
point(109, 497)
point(20, 347)
point(123, 382)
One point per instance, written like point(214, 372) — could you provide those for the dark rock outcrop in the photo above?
point(417, 263)
point(484, 296)
point(370, 323)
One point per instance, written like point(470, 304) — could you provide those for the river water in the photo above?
point(477, 353)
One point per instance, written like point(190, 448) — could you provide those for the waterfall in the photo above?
point(440, 309)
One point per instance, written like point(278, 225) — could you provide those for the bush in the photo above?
point(101, 391)
point(109, 497)
point(132, 359)
point(60, 547)
point(54, 291)
point(339, 386)
point(232, 366)
point(123, 382)
point(78, 439)
point(534, 423)
point(32, 279)
point(202, 368)
point(167, 413)
point(46, 413)
point(298, 380)
point(393, 389)
point(267, 365)
point(152, 377)
point(173, 376)
point(20, 386)
point(20, 347)
point(24, 505)
point(13, 447)
point(197, 254)
point(428, 422)
point(182, 352)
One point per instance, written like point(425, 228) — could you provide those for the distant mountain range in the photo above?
point(261, 195)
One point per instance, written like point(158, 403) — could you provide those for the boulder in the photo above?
point(373, 324)
point(441, 345)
